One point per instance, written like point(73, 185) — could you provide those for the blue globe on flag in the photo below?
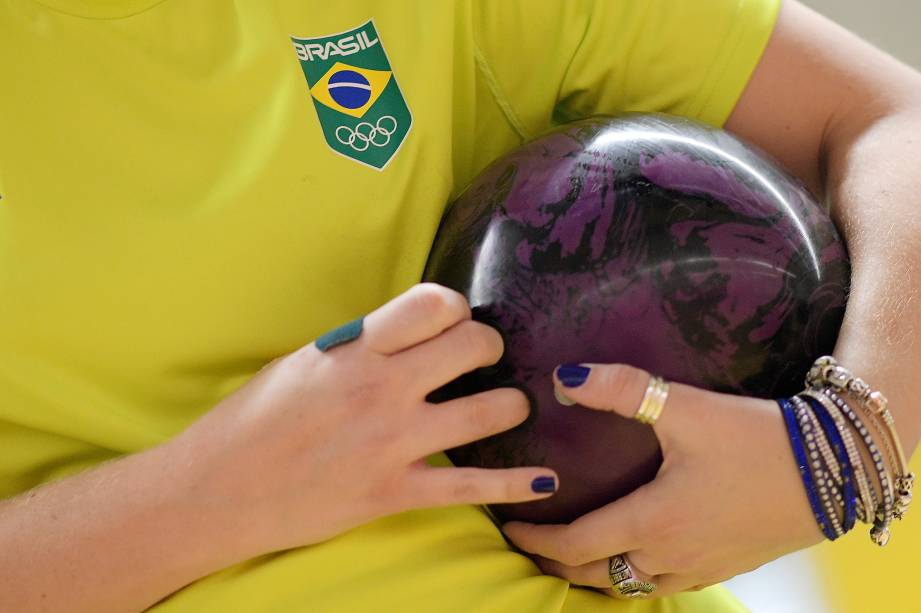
point(349, 89)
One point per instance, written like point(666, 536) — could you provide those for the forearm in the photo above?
point(846, 118)
point(873, 181)
point(116, 538)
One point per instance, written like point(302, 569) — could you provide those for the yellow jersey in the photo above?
point(191, 189)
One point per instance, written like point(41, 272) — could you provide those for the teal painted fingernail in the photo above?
point(543, 485)
point(572, 375)
point(341, 335)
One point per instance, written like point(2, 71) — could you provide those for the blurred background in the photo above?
point(892, 25)
point(851, 575)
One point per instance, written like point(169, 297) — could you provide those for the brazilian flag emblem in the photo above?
point(359, 104)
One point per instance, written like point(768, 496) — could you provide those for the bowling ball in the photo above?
point(642, 239)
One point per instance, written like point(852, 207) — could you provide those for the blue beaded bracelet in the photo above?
point(847, 469)
point(799, 453)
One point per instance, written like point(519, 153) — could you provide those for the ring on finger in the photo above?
point(624, 581)
point(653, 401)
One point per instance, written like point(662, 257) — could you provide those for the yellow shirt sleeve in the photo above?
point(556, 60)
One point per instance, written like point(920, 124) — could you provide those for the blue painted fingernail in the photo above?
point(543, 485)
point(572, 375)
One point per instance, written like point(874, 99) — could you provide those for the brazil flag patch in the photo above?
point(359, 104)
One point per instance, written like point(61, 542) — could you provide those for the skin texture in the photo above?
point(124, 535)
point(728, 497)
point(339, 437)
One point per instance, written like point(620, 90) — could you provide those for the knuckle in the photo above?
point(429, 298)
point(573, 542)
point(620, 379)
point(478, 416)
point(569, 552)
point(507, 490)
point(437, 301)
point(465, 488)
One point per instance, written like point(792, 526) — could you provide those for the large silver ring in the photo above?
point(625, 584)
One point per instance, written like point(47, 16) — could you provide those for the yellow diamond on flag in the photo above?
point(350, 89)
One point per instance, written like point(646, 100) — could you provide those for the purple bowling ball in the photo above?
point(643, 239)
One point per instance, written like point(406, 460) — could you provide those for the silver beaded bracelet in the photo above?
point(829, 377)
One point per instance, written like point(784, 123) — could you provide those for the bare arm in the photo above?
point(314, 445)
point(115, 538)
point(847, 118)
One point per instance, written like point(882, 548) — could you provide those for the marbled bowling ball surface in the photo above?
point(642, 239)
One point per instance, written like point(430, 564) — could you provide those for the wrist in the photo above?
point(825, 381)
point(204, 516)
point(889, 376)
point(878, 339)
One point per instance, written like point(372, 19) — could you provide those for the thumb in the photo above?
point(618, 388)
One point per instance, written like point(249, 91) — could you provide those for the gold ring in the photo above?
point(625, 584)
point(653, 401)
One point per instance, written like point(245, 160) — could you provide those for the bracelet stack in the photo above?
point(826, 433)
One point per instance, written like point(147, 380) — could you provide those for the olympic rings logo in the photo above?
point(365, 134)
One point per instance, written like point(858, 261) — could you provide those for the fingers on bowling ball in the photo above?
point(532, 245)
point(449, 486)
point(463, 348)
point(420, 313)
point(618, 388)
point(471, 418)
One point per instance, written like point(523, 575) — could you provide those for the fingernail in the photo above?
point(543, 485)
point(562, 398)
point(572, 375)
